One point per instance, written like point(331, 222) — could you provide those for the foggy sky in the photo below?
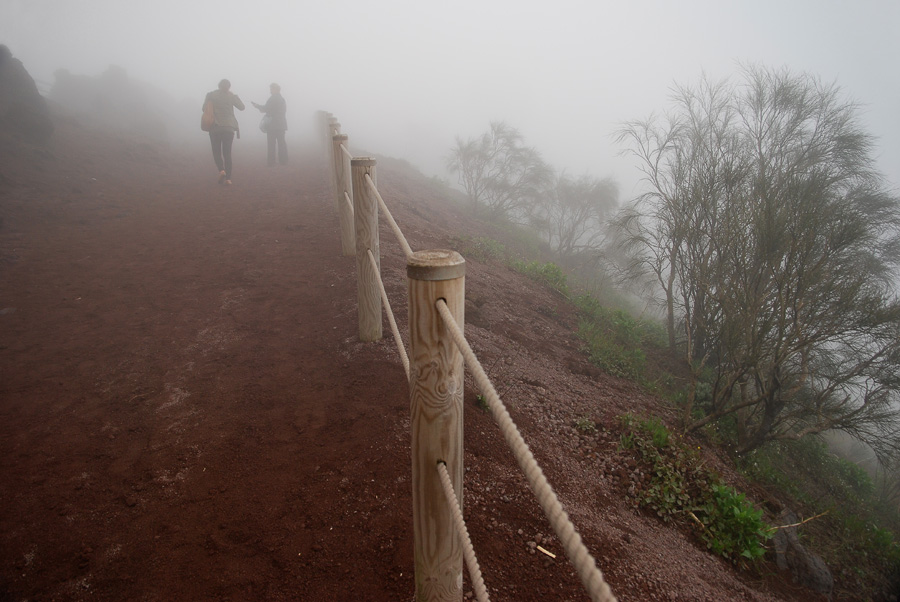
point(405, 77)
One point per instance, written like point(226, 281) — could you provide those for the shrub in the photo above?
point(732, 527)
point(676, 487)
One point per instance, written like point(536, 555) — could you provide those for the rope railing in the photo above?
point(584, 563)
point(407, 250)
point(390, 316)
point(463, 534)
point(348, 203)
point(434, 365)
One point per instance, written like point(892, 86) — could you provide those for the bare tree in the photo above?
point(572, 215)
point(499, 173)
point(775, 246)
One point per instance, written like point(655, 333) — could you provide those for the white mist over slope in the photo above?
point(405, 77)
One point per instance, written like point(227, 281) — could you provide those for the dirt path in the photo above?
point(176, 419)
point(186, 412)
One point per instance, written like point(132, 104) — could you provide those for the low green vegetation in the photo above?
point(855, 518)
point(676, 486)
point(548, 274)
point(615, 340)
point(479, 248)
point(585, 425)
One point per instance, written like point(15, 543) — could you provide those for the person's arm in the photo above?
point(267, 108)
point(237, 102)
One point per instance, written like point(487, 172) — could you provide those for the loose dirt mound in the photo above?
point(186, 412)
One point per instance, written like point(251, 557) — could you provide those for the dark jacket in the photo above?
point(276, 109)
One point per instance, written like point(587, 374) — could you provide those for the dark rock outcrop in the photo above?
point(807, 569)
point(23, 111)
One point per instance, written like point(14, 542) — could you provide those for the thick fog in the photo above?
point(405, 77)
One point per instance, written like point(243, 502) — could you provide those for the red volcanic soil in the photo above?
point(186, 412)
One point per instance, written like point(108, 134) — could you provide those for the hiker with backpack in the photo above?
point(224, 126)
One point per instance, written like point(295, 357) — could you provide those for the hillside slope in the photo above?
point(186, 412)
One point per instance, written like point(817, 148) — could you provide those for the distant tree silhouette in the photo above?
point(572, 214)
point(499, 174)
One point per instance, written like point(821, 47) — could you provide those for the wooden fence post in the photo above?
point(328, 129)
point(329, 153)
point(337, 161)
point(365, 220)
point(436, 406)
point(344, 189)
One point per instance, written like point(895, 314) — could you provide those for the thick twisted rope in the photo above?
point(346, 152)
point(349, 201)
point(581, 559)
point(459, 523)
point(407, 250)
point(390, 314)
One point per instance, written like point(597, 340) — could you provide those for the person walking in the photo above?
point(221, 134)
point(275, 110)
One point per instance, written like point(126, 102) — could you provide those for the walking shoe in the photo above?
point(222, 177)
point(228, 182)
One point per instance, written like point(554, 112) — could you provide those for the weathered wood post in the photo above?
point(328, 144)
point(365, 221)
point(344, 196)
point(334, 126)
point(348, 237)
point(328, 121)
point(325, 131)
point(436, 406)
point(337, 162)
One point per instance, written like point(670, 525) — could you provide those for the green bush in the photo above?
point(676, 487)
point(732, 527)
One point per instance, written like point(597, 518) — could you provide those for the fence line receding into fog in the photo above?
point(434, 366)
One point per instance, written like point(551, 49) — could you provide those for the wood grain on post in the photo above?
point(365, 221)
point(436, 407)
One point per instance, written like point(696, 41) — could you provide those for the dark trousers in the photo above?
point(221, 140)
point(276, 138)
